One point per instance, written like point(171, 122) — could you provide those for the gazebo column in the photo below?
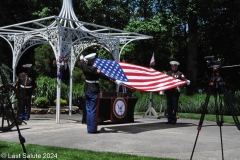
point(71, 61)
point(14, 81)
point(59, 72)
point(58, 97)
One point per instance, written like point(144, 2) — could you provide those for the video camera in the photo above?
point(212, 62)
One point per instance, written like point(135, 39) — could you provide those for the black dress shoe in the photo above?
point(168, 122)
point(173, 123)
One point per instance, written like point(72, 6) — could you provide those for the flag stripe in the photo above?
point(148, 79)
point(137, 77)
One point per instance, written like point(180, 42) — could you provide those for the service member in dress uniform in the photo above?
point(91, 90)
point(26, 85)
point(174, 93)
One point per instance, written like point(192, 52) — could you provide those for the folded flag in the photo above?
point(137, 77)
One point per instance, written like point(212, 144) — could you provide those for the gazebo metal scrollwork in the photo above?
point(68, 37)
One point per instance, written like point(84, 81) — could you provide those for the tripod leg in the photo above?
point(21, 138)
point(204, 110)
point(9, 90)
point(230, 106)
point(219, 117)
point(220, 127)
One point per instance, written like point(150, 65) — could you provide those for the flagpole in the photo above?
point(151, 111)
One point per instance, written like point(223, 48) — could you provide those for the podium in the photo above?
point(114, 106)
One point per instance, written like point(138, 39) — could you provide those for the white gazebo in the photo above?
point(68, 38)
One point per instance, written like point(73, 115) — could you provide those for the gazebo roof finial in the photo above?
point(67, 14)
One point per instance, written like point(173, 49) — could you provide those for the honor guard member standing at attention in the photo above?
point(26, 84)
point(91, 90)
point(174, 93)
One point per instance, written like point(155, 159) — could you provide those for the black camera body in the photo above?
point(212, 62)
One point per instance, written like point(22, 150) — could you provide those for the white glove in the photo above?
point(81, 57)
point(118, 82)
point(161, 93)
point(188, 82)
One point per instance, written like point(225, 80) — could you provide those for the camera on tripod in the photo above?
point(212, 62)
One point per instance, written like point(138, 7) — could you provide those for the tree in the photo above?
point(44, 57)
point(182, 30)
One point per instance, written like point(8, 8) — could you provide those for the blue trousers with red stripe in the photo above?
point(25, 108)
point(92, 111)
point(172, 107)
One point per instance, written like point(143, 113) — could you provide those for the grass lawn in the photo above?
point(208, 117)
point(14, 151)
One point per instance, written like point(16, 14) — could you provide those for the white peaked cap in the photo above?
point(174, 63)
point(27, 65)
point(90, 56)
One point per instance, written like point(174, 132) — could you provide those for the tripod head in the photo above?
point(212, 62)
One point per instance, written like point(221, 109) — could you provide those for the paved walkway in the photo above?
point(145, 137)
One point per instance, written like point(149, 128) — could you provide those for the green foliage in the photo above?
point(106, 85)
point(44, 57)
point(191, 104)
point(64, 91)
point(159, 102)
point(78, 75)
point(194, 104)
point(47, 87)
point(43, 13)
point(77, 92)
point(163, 44)
point(187, 104)
point(236, 101)
point(7, 72)
point(142, 103)
point(41, 102)
point(63, 102)
point(115, 14)
point(168, 22)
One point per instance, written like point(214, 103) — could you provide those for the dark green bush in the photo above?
point(41, 102)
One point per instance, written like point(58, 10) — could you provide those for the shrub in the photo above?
point(6, 71)
point(77, 92)
point(47, 87)
point(42, 102)
point(159, 102)
point(63, 102)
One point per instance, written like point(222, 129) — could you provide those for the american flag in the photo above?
point(137, 77)
point(152, 62)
